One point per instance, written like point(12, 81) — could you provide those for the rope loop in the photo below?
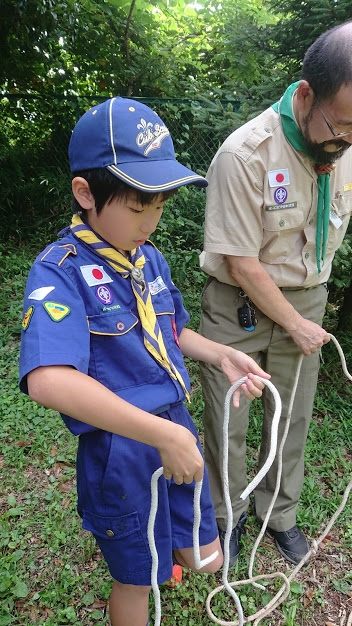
point(282, 594)
point(284, 591)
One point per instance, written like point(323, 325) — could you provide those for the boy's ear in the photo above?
point(82, 193)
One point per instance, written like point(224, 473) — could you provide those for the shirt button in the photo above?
point(311, 221)
point(110, 533)
point(282, 223)
point(306, 255)
point(120, 326)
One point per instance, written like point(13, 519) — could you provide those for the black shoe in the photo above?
point(235, 539)
point(292, 544)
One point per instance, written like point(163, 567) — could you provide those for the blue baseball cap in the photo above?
point(133, 143)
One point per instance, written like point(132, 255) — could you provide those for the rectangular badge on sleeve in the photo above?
point(279, 177)
point(95, 275)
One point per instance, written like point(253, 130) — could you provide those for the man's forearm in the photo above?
point(261, 289)
point(266, 296)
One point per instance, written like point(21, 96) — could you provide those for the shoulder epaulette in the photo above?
point(152, 244)
point(57, 254)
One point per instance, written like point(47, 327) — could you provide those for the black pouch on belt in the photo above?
point(246, 314)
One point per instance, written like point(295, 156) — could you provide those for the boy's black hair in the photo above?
point(327, 64)
point(106, 187)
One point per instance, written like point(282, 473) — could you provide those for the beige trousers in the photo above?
point(272, 347)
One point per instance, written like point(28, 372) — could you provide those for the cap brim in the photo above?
point(156, 176)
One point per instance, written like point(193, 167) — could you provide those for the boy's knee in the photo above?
point(185, 558)
point(213, 566)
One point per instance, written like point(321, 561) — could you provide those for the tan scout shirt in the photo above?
point(262, 202)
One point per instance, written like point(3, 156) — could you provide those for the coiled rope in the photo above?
point(285, 589)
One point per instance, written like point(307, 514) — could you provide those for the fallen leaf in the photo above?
point(65, 487)
point(97, 604)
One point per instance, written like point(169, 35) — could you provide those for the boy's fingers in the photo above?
point(184, 478)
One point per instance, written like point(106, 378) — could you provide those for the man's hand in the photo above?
point(236, 365)
point(308, 336)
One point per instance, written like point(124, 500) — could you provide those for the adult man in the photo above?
point(274, 219)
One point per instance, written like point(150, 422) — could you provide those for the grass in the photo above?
point(51, 573)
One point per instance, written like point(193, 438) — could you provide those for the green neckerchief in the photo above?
point(296, 139)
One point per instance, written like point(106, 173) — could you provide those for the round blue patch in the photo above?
point(103, 293)
point(280, 195)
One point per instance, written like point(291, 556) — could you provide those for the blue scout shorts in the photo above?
point(113, 484)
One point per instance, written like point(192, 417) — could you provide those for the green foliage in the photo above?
point(299, 24)
point(341, 275)
point(131, 48)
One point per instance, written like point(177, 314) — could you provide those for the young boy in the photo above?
point(103, 338)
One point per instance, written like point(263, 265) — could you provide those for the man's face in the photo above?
point(325, 118)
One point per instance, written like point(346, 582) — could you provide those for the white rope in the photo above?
point(279, 472)
point(285, 589)
point(196, 524)
point(225, 477)
point(152, 546)
point(199, 564)
point(273, 436)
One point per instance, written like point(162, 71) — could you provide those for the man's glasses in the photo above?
point(331, 128)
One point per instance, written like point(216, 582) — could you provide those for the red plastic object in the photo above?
point(176, 577)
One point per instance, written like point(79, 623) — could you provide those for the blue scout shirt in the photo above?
point(79, 311)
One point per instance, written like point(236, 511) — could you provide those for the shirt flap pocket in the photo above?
point(117, 323)
point(111, 527)
point(343, 205)
point(163, 303)
point(282, 219)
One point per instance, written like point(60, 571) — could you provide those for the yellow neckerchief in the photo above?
point(153, 339)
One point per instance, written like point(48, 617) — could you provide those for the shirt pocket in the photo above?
point(163, 303)
point(112, 324)
point(164, 308)
point(119, 359)
point(343, 204)
point(281, 227)
point(347, 200)
point(340, 213)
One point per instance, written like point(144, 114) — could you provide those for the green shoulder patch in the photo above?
point(56, 311)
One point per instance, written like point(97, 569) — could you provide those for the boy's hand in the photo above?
point(180, 455)
point(236, 365)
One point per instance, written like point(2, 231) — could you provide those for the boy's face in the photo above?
point(125, 223)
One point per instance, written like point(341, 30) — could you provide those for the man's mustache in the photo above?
point(337, 143)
